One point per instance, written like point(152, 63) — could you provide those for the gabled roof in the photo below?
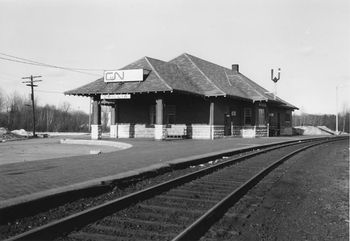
point(185, 73)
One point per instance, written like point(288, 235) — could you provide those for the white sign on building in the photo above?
point(123, 75)
point(115, 96)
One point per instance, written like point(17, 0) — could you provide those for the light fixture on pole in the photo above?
point(336, 107)
point(275, 79)
point(336, 110)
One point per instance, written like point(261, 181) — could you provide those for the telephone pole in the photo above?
point(30, 83)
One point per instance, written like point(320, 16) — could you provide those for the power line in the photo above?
point(33, 61)
point(49, 66)
point(36, 63)
point(50, 91)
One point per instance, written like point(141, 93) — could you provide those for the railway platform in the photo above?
point(24, 181)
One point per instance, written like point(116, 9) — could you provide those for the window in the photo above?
point(170, 114)
point(247, 116)
point(261, 116)
point(152, 114)
point(287, 118)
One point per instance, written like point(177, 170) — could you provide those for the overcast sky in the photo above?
point(308, 39)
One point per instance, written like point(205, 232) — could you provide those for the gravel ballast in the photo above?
point(307, 198)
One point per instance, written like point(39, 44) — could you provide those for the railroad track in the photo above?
point(180, 209)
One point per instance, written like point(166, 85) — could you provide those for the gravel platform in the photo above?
point(307, 198)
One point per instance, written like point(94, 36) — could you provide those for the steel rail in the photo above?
point(75, 221)
point(199, 227)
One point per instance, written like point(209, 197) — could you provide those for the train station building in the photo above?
point(186, 97)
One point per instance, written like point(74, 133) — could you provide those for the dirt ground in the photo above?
point(44, 148)
point(307, 198)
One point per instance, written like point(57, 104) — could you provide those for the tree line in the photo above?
point(16, 113)
point(323, 120)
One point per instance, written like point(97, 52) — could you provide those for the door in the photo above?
point(227, 124)
point(278, 124)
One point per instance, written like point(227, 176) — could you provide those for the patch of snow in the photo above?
point(20, 132)
point(310, 130)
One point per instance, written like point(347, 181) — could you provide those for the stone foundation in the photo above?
point(96, 132)
point(193, 131)
point(261, 131)
point(113, 132)
point(159, 132)
point(135, 131)
point(198, 131)
point(248, 132)
point(253, 131)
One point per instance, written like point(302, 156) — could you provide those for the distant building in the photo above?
point(185, 97)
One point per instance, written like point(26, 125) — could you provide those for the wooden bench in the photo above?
point(176, 136)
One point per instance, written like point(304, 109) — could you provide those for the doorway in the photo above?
point(278, 124)
point(227, 125)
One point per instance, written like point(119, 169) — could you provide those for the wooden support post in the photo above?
point(114, 121)
point(211, 119)
point(113, 114)
point(159, 111)
point(96, 128)
point(159, 128)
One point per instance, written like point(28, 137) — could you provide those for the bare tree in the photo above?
point(2, 100)
point(15, 113)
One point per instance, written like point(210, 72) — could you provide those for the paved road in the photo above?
point(28, 178)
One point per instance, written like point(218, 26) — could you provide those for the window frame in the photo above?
point(261, 117)
point(152, 115)
point(247, 113)
point(170, 112)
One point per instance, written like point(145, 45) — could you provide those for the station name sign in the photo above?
point(125, 75)
point(116, 96)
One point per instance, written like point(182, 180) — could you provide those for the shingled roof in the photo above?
point(185, 73)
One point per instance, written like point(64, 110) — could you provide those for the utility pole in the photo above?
point(90, 114)
point(30, 83)
point(336, 107)
point(336, 110)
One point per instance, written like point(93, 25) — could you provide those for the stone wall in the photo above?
point(261, 131)
point(199, 131)
point(177, 130)
point(218, 131)
point(193, 131)
point(135, 131)
point(236, 131)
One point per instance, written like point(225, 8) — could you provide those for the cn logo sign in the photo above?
point(115, 75)
point(123, 75)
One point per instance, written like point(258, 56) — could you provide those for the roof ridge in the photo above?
point(239, 74)
point(155, 71)
point(229, 82)
point(218, 65)
point(185, 54)
point(131, 63)
point(176, 57)
point(154, 59)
